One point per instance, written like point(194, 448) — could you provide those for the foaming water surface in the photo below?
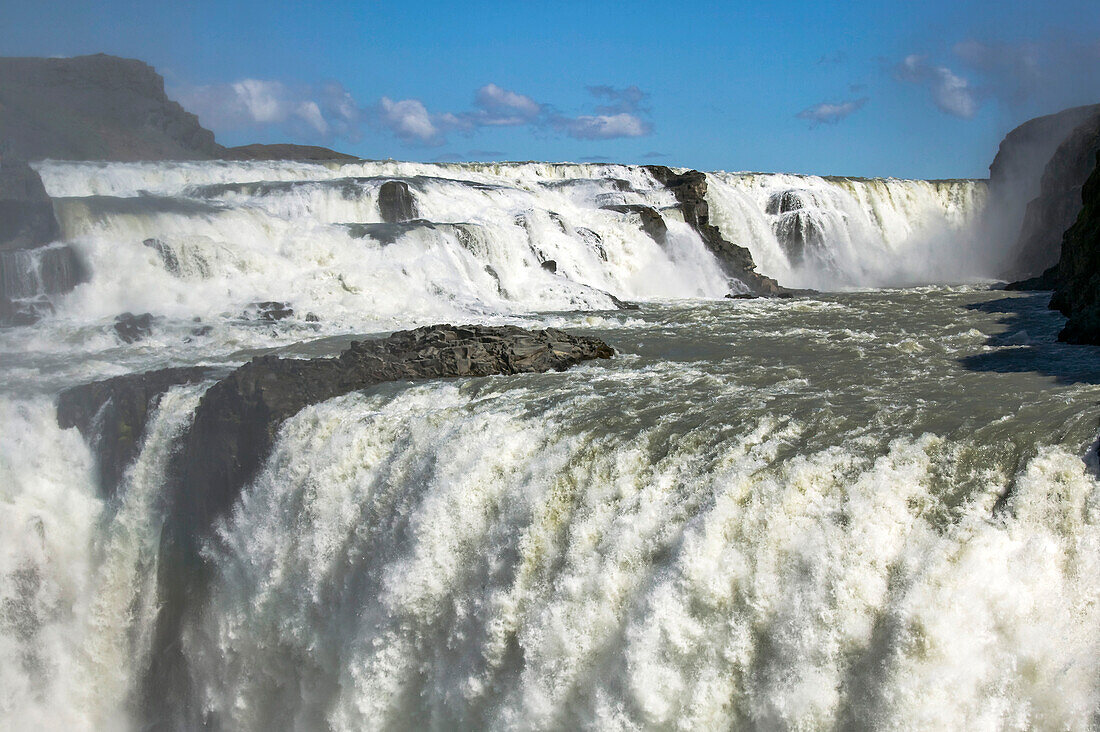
point(859, 510)
point(818, 512)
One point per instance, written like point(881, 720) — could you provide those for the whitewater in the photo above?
point(874, 506)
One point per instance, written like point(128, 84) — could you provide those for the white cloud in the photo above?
point(263, 101)
point(951, 93)
point(603, 126)
point(495, 106)
point(409, 120)
point(504, 107)
point(1047, 74)
point(831, 112)
point(329, 111)
point(311, 114)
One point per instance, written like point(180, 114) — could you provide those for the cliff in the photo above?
point(1058, 201)
point(1078, 273)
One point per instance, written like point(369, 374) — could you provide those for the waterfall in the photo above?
point(825, 233)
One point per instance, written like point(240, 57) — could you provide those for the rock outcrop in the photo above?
point(26, 212)
point(236, 422)
point(1022, 156)
point(396, 203)
point(690, 190)
point(112, 414)
point(1078, 271)
point(30, 270)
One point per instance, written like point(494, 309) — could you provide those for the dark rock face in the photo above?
point(1054, 210)
point(784, 202)
point(271, 310)
point(95, 108)
point(131, 328)
point(550, 265)
point(1048, 280)
point(112, 414)
point(26, 213)
point(284, 152)
point(653, 224)
point(1078, 272)
point(26, 273)
point(396, 202)
point(690, 190)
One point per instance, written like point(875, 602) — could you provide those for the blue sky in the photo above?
point(909, 89)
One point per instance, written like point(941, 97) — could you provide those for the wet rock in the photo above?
point(26, 212)
point(49, 270)
point(396, 202)
point(623, 304)
point(798, 231)
point(594, 240)
point(742, 296)
point(112, 414)
point(23, 311)
point(131, 328)
point(167, 255)
point(784, 202)
point(653, 224)
point(270, 311)
point(389, 233)
point(690, 190)
point(551, 266)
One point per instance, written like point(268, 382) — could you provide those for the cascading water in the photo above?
point(825, 233)
point(861, 509)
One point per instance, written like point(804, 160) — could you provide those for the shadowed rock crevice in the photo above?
point(112, 414)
